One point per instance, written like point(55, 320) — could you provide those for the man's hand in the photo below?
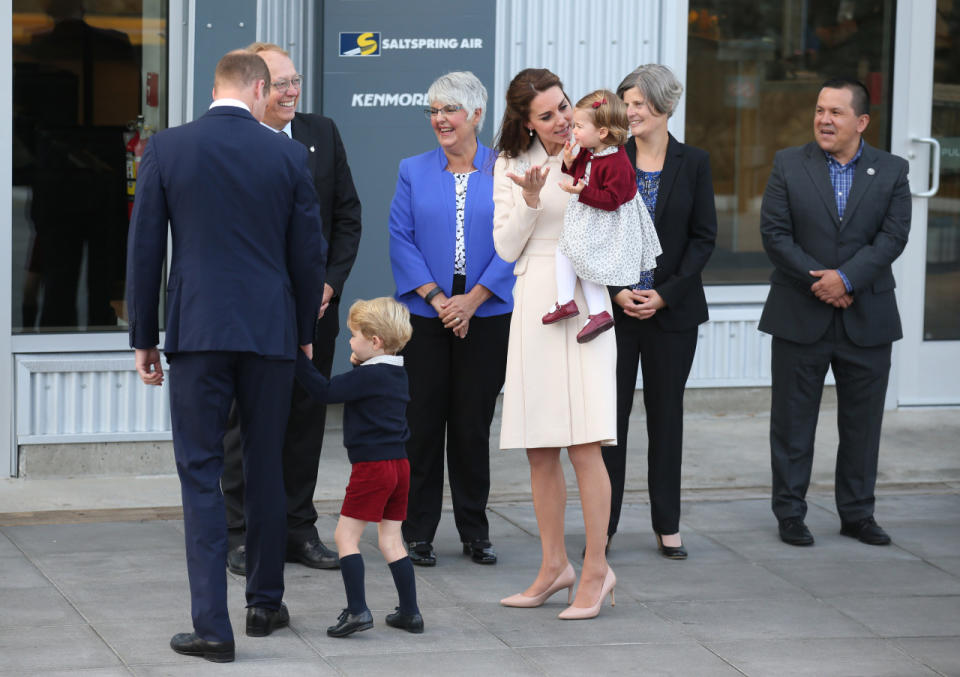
point(149, 366)
point(641, 304)
point(844, 301)
point(829, 288)
point(307, 349)
point(327, 295)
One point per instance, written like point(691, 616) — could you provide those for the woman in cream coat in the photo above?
point(558, 393)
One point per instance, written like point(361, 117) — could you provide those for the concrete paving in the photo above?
point(93, 576)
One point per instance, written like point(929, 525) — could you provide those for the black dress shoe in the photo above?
point(409, 622)
point(348, 623)
point(237, 560)
point(188, 644)
point(480, 552)
point(866, 531)
point(670, 551)
point(795, 532)
point(261, 622)
point(422, 553)
point(313, 553)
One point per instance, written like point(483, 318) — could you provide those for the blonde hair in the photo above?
point(607, 110)
point(259, 47)
point(383, 317)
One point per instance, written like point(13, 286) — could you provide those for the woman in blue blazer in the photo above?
point(460, 296)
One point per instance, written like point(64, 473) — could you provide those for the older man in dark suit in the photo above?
point(340, 208)
point(835, 215)
point(244, 290)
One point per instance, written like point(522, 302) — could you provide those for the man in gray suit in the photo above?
point(835, 215)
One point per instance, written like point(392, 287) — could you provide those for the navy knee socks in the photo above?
point(351, 568)
point(403, 578)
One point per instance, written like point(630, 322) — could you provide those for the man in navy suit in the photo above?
point(340, 208)
point(244, 288)
point(835, 216)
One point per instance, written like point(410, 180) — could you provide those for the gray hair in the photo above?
point(659, 86)
point(461, 88)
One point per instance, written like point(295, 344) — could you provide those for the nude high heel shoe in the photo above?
point(566, 579)
point(573, 613)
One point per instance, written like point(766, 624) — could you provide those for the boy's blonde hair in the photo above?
point(607, 110)
point(383, 317)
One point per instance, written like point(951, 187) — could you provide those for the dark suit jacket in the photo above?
point(802, 232)
point(247, 267)
point(686, 223)
point(333, 182)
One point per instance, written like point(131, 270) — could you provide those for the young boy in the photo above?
point(375, 396)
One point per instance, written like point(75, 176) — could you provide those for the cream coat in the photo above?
point(557, 392)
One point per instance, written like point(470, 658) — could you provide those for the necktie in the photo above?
point(284, 134)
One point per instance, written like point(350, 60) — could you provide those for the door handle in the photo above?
point(935, 155)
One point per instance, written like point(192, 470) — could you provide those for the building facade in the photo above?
point(90, 79)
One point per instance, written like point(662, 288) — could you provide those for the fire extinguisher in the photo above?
point(135, 145)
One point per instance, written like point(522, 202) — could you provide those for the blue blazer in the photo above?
point(247, 268)
point(423, 232)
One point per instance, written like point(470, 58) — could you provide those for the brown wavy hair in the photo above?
point(607, 110)
point(514, 136)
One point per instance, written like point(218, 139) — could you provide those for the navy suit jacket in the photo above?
point(247, 267)
point(423, 232)
point(802, 232)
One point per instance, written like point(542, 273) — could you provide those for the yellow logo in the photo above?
point(360, 44)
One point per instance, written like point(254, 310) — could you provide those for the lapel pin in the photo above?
point(312, 149)
point(870, 170)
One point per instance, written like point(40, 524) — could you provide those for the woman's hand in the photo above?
point(531, 183)
point(457, 310)
point(640, 304)
point(460, 331)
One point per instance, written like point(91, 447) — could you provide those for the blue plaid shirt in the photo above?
point(841, 178)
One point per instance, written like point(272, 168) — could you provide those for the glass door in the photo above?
point(927, 132)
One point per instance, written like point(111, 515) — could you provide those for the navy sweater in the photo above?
point(374, 400)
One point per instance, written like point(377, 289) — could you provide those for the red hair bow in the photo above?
point(597, 104)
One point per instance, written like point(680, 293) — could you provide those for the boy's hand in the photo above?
point(354, 360)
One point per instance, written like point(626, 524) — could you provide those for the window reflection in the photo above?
point(80, 81)
point(942, 290)
point(754, 70)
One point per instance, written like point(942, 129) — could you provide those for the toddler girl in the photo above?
point(608, 237)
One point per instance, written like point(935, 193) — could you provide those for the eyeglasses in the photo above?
point(446, 110)
point(284, 85)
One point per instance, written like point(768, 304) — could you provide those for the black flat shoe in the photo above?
point(794, 532)
point(237, 560)
point(261, 622)
point(409, 622)
point(480, 552)
point(188, 644)
point(312, 553)
point(348, 623)
point(422, 553)
point(866, 531)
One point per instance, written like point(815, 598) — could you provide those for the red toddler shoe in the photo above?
point(568, 309)
point(596, 325)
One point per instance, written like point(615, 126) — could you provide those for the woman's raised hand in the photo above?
point(531, 183)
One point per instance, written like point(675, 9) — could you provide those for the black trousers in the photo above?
point(301, 449)
point(861, 376)
point(454, 385)
point(665, 359)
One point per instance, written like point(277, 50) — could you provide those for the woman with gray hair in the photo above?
point(460, 296)
point(656, 324)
